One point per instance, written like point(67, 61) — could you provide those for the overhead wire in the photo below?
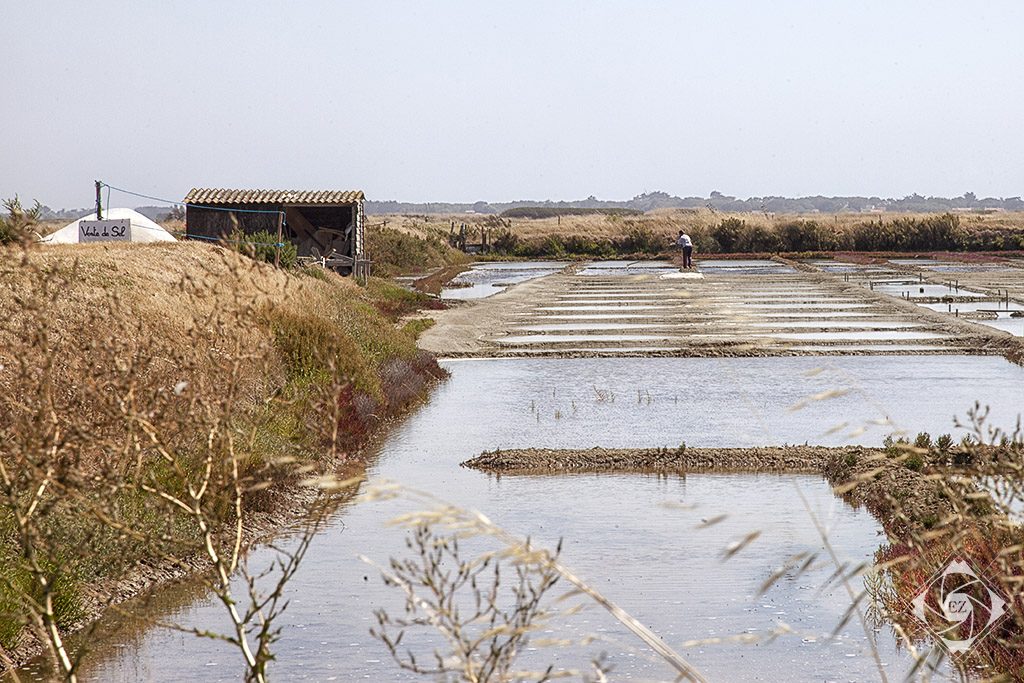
point(282, 214)
point(198, 206)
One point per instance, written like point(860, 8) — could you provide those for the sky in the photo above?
point(463, 100)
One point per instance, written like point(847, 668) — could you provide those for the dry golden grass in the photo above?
point(128, 371)
point(664, 221)
point(183, 306)
point(140, 298)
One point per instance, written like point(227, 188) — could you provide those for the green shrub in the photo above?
point(393, 252)
point(318, 350)
point(506, 242)
point(703, 240)
point(934, 232)
point(923, 440)
point(417, 326)
point(757, 238)
point(641, 240)
point(262, 246)
point(910, 234)
point(895, 447)
point(394, 301)
point(963, 457)
point(808, 236)
point(316, 272)
point(944, 443)
point(17, 224)
point(871, 237)
point(552, 246)
point(727, 233)
point(67, 604)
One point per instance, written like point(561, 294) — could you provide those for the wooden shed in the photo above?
point(325, 225)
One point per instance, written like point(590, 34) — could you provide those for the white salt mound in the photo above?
point(143, 229)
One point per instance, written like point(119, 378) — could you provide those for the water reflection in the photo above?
point(636, 538)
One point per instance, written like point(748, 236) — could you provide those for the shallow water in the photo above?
point(564, 338)
point(825, 304)
point(620, 268)
point(972, 306)
point(914, 261)
point(967, 267)
point(572, 327)
point(884, 348)
point(606, 308)
point(866, 335)
point(925, 291)
point(834, 266)
point(743, 267)
point(633, 537)
point(951, 266)
point(623, 300)
point(486, 279)
point(878, 323)
point(561, 350)
point(604, 294)
point(768, 297)
point(1014, 326)
point(607, 316)
point(817, 315)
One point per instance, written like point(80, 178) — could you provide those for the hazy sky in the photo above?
point(467, 100)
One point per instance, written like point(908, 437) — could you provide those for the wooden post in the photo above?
point(280, 236)
point(99, 204)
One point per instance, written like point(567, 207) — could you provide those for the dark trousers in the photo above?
point(687, 257)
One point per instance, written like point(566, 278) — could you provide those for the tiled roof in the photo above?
point(215, 196)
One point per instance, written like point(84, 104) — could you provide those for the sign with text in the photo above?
point(118, 230)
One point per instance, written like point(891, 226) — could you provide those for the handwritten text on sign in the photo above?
point(119, 230)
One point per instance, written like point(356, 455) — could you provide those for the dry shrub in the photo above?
point(974, 491)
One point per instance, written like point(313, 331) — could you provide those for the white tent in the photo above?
point(143, 229)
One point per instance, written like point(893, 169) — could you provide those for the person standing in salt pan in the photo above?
point(686, 245)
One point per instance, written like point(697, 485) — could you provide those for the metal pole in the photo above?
point(280, 236)
point(99, 205)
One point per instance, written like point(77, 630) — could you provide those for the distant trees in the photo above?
point(719, 201)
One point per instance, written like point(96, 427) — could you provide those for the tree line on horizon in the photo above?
point(649, 201)
point(717, 201)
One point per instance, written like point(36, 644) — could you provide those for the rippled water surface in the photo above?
point(634, 537)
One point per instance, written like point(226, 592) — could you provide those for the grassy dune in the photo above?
point(128, 373)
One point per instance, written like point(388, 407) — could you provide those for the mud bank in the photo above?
point(742, 351)
point(900, 497)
